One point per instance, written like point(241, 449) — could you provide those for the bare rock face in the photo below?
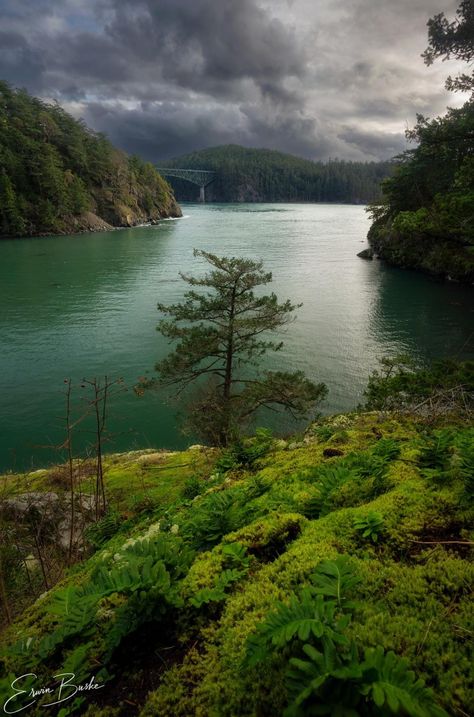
point(26, 504)
point(366, 253)
point(49, 515)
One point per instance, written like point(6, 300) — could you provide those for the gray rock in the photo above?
point(366, 253)
point(49, 514)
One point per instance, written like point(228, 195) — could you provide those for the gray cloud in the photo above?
point(374, 144)
point(161, 77)
point(20, 63)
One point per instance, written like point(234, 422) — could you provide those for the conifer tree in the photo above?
point(220, 335)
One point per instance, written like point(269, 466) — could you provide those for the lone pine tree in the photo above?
point(220, 344)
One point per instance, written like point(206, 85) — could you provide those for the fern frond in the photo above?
point(335, 579)
point(393, 686)
point(305, 617)
point(387, 448)
point(217, 593)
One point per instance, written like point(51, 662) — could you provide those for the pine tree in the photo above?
point(219, 335)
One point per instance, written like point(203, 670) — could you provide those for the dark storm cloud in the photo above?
point(374, 144)
point(156, 130)
point(333, 78)
point(19, 63)
point(204, 41)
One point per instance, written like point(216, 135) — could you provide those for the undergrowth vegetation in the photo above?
point(271, 580)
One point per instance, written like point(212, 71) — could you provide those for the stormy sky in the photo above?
point(317, 78)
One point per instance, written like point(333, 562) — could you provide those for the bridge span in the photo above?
point(201, 177)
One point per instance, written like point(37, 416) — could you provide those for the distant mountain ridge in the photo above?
point(263, 175)
point(57, 176)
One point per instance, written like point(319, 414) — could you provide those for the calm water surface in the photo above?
point(86, 306)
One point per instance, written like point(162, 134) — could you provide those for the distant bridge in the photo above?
point(201, 177)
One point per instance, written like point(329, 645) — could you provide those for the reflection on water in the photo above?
point(428, 318)
point(86, 306)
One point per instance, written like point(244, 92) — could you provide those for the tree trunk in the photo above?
point(228, 371)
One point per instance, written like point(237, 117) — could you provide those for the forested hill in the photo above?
point(425, 219)
point(263, 175)
point(58, 176)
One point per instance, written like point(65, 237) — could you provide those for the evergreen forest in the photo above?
point(262, 175)
point(57, 176)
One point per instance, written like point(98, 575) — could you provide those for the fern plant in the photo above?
point(316, 612)
point(137, 587)
point(217, 514)
point(236, 564)
point(305, 616)
point(370, 526)
point(465, 456)
point(100, 532)
point(256, 486)
point(369, 465)
point(218, 592)
point(193, 487)
point(170, 549)
point(327, 480)
point(335, 579)
point(244, 454)
point(312, 507)
point(235, 554)
point(435, 454)
point(387, 448)
point(342, 685)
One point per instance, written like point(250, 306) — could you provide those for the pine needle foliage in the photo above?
point(220, 330)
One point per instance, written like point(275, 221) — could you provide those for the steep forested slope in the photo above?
point(262, 175)
point(58, 176)
point(425, 219)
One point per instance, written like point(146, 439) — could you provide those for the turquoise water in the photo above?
point(85, 306)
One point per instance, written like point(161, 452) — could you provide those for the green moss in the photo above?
point(413, 595)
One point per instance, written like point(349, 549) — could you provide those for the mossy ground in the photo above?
point(415, 577)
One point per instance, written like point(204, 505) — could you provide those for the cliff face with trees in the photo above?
point(263, 175)
point(425, 219)
point(58, 176)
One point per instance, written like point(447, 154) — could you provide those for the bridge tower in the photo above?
point(201, 177)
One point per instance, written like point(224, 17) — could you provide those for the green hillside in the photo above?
point(57, 176)
point(263, 175)
point(327, 574)
point(425, 219)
